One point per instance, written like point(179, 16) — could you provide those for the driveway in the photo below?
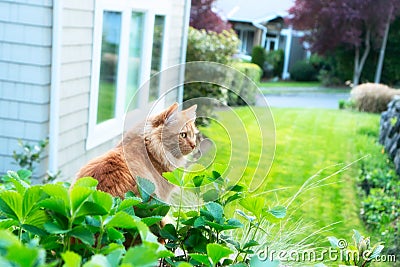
point(302, 98)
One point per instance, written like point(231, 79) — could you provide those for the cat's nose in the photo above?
point(192, 145)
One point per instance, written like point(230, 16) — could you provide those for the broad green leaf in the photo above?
point(174, 177)
point(333, 241)
point(146, 188)
point(54, 228)
point(82, 233)
point(87, 182)
point(253, 204)
point(32, 197)
point(198, 180)
point(78, 195)
point(90, 208)
point(141, 256)
point(250, 244)
point(278, 212)
point(114, 253)
point(56, 205)
point(216, 210)
point(97, 261)
point(357, 236)
point(34, 230)
point(201, 258)
point(217, 252)
point(121, 220)
point(23, 256)
point(71, 259)
point(233, 198)
point(24, 174)
point(37, 218)
point(149, 221)
point(129, 202)
point(57, 191)
point(7, 223)
point(103, 199)
point(114, 234)
point(200, 221)
point(376, 251)
point(169, 232)
point(11, 204)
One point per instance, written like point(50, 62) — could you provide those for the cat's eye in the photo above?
point(183, 135)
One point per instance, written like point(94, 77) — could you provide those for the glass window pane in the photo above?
point(134, 60)
point(109, 65)
point(156, 57)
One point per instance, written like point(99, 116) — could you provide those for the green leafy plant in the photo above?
point(82, 221)
point(361, 253)
point(303, 71)
point(211, 47)
point(30, 154)
point(241, 89)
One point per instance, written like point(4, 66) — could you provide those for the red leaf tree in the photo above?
point(357, 24)
point(202, 16)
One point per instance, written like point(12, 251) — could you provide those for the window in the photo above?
point(128, 47)
point(156, 57)
point(110, 41)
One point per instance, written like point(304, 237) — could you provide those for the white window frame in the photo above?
point(107, 130)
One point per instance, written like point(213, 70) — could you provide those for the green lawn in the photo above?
point(307, 140)
point(289, 84)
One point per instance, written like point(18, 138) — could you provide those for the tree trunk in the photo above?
point(379, 67)
point(359, 63)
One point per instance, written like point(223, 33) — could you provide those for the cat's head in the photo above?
point(172, 133)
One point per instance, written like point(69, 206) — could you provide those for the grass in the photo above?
point(289, 84)
point(289, 87)
point(307, 140)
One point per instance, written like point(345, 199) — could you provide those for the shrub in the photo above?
point(258, 56)
point(241, 90)
point(380, 192)
point(303, 71)
point(212, 47)
point(371, 97)
point(275, 60)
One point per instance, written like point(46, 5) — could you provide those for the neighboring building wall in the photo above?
point(75, 71)
point(25, 61)
point(76, 57)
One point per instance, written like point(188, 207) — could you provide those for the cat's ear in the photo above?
point(190, 112)
point(166, 115)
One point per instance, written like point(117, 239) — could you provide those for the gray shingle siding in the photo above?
point(25, 60)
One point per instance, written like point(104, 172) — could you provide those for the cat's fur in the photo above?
point(155, 146)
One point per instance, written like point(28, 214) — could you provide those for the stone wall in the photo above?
point(389, 132)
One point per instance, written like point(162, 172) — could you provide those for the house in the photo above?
point(69, 67)
point(262, 23)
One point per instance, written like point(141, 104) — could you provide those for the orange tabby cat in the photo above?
point(149, 149)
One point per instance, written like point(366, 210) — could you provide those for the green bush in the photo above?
point(303, 71)
point(275, 60)
point(212, 47)
point(380, 192)
point(241, 89)
point(258, 56)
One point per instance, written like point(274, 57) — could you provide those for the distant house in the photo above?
point(262, 23)
point(68, 68)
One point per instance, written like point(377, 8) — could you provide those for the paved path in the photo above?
point(300, 98)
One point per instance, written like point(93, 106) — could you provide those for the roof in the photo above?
point(252, 10)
